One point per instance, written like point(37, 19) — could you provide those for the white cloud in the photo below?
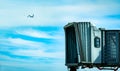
point(34, 49)
point(106, 23)
point(22, 42)
point(35, 54)
point(39, 54)
point(34, 33)
point(55, 15)
point(17, 43)
point(39, 34)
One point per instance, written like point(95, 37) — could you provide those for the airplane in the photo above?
point(30, 16)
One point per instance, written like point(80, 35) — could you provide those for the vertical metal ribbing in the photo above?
point(85, 32)
point(84, 39)
point(103, 46)
point(89, 41)
point(77, 43)
point(80, 32)
point(80, 37)
point(80, 42)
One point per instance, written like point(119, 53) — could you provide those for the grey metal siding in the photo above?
point(84, 32)
point(95, 51)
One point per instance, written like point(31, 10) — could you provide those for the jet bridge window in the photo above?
point(97, 42)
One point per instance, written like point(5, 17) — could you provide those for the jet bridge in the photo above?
point(88, 46)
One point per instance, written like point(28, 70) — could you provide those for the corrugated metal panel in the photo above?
point(83, 30)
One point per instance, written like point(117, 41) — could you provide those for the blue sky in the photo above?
point(37, 44)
